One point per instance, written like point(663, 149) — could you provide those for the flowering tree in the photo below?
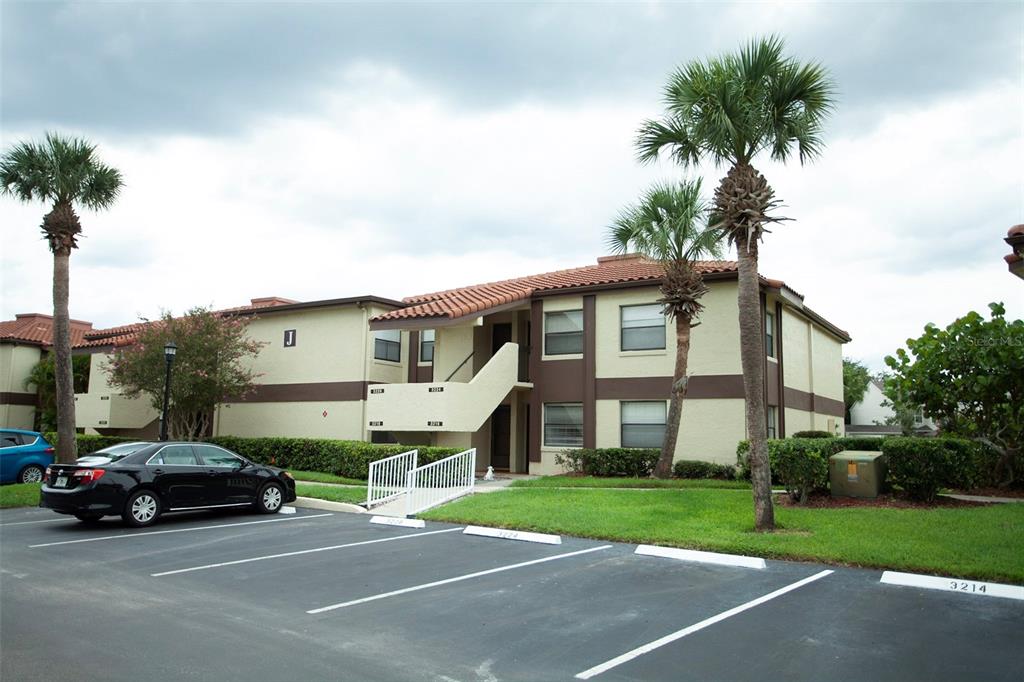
point(209, 367)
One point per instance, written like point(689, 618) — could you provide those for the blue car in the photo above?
point(24, 456)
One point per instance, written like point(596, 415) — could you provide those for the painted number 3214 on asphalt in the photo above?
point(962, 586)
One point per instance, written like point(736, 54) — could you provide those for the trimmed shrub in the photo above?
point(692, 468)
point(812, 434)
point(349, 458)
point(860, 443)
point(799, 466)
point(631, 462)
point(825, 447)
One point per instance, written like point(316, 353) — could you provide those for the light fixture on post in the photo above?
point(170, 349)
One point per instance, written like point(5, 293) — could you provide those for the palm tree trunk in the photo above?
point(752, 362)
point(66, 444)
point(675, 407)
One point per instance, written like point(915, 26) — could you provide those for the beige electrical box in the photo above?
point(854, 473)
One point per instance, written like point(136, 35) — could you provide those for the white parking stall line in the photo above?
point(302, 551)
point(175, 530)
point(449, 581)
point(679, 634)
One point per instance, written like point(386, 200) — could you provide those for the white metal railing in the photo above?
point(443, 480)
point(388, 477)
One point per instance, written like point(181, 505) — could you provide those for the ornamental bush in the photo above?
point(632, 462)
point(800, 466)
point(812, 434)
point(691, 468)
point(88, 444)
point(349, 458)
point(921, 466)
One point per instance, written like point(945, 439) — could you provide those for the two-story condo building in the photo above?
point(519, 369)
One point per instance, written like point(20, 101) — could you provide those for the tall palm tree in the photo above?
point(669, 225)
point(728, 110)
point(62, 171)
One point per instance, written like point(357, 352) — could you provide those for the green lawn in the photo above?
point(19, 495)
point(334, 494)
point(321, 477)
point(974, 542)
point(595, 482)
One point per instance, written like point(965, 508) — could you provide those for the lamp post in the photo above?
point(170, 348)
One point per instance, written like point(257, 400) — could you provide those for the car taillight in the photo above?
point(89, 475)
point(49, 450)
point(47, 472)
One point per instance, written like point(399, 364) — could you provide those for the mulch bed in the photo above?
point(826, 501)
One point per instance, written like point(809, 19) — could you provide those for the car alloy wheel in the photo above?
point(272, 498)
point(31, 474)
point(142, 509)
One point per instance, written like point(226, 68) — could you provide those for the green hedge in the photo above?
point(813, 434)
point(692, 468)
point(339, 457)
point(921, 466)
point(350, 458)
point(824, 446)
point(799, 464)
point(632, 462)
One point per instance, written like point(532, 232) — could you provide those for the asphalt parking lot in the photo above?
point(325, 596)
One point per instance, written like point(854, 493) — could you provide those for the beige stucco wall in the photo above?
point(795, 352)
point(292, 419)
point(451, 346)
point(714, 344)
point(329, 346)
point(827, 361)
point(16, 363)
point(798, 420)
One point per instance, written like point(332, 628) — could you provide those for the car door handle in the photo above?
point(211, 471)
point(158, 471)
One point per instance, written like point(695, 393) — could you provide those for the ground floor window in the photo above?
point(643, 424)
point(770, 420)
point(563, 424)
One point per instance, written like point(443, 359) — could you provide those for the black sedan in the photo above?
point(161, 478)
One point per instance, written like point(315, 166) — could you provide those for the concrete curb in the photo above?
point(313, 503)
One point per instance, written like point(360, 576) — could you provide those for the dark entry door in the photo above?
point(501, 435)
point(500, 335)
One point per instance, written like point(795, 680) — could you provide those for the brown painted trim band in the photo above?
point(327, 391)
point(701, 386)
point(812, 402)
point(536, 344)
point(589, 371)
point(782, 370)
point(11, 398)
point(414, 355)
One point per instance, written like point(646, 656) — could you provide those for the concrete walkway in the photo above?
point(984, 498)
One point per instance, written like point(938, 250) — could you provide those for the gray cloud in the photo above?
point(213, 68)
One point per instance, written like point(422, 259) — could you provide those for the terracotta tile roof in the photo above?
point(454, 303)
point(36, 328)
point(125, 335)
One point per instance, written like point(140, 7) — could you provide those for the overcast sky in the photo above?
point(322, 150)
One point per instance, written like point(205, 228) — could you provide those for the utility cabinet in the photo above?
point(857, 473)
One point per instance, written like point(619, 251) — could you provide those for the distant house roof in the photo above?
point(37, 329)
point(445, 307)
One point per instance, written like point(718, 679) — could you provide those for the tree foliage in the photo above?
point(42, 380)
point(969, 377)
point(209, 367)
point(855, 383)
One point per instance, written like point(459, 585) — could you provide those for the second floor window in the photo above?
point(427, 345)
point(643, 327)
point(769, 334)
point(563, 332)
point(387, 345)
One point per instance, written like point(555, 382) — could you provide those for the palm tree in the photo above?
point(728, 110)
point(669, 226)
point(62, 171)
